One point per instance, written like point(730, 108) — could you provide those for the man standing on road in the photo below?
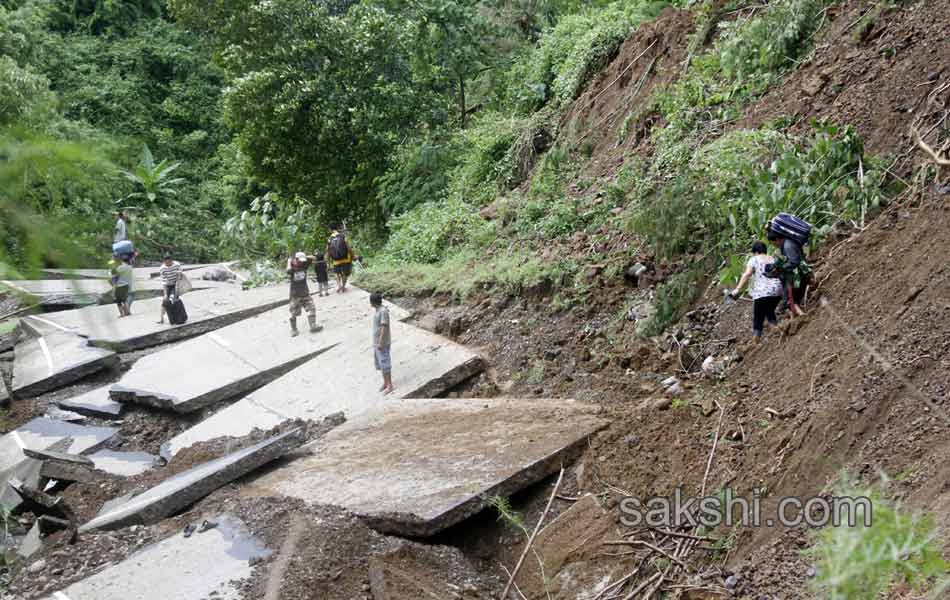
point(382, 342)
point(341, 256)
point(169, 273)
point(300, 299)
point(121, 231)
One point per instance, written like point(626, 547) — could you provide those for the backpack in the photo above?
point(338, 248)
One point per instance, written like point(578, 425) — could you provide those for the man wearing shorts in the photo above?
point(341, 257)
point(300, 299)
point(382, 342)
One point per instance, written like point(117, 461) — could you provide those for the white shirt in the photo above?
point(120, 233)
point(762, 286)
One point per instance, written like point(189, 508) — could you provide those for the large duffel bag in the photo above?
point(122, 248)
point(176, 310)
point(791, 227)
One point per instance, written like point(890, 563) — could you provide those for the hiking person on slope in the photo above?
point(300, 299)
point(791, 269)
point(341, 256)
point(766, 291)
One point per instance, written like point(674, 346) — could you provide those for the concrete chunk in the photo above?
point(31, 543)
point(52, 455)
point(342, 379)
point(44, 434)
point(94, 403)
point(205, 565)
point(240, 357)
point(69, 471)
point(207, 310)
point(123, 464)
point(415, 467)
point(182, 490)
point(52, 361)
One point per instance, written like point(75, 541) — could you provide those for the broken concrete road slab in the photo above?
point(204, 565)
point(94, 403)
point(53, 455)
point(207, 310)
point(86, 292)
point(49, 362)
point(241, 357)
point(43, 434)
point(60, 292)
point(186, 488)
point(343, 379)
point(416, 467)
point(123, 464)
point(143, 273)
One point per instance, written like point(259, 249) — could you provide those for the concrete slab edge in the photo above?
point(459, 374)
point(158, 509)
point(413, 525)
point(240, 387)
point(59, 380)
point(185, 331)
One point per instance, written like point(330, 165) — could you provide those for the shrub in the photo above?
point(573, 50)
point(419, 173)
point(484, 161)
point(426, 233)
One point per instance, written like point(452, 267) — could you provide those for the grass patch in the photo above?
point(865, 561)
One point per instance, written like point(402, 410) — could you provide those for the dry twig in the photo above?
point(534, 534)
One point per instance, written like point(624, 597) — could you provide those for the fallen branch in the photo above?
point(642, 585)
point(622, 73)
point(507, 572)
point(943, 162)
point(534, 534)
point(712, 452)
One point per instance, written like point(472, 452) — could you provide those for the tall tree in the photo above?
point(318, 100)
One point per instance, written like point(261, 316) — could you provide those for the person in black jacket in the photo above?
point(789, 271)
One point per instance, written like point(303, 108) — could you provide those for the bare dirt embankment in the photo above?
point(849, 391)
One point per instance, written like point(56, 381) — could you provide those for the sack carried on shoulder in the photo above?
point(791, 227)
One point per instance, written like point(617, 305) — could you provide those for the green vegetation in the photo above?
point(84, 86)
point(410, 121)
point(856, 563)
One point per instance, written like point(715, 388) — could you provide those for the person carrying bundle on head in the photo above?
point(790, 235)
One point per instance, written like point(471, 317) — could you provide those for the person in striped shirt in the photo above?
point(170, 273)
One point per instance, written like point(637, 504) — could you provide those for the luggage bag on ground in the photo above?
point(791, 227)
point(176, 310)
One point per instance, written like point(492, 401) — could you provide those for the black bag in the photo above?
point(791, 227)
point(176, 310)
point(338, 248)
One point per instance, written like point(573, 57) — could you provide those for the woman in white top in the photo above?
point(766, 291)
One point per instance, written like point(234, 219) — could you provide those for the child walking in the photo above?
point(323, 278)
point(766, 291)
point(382, 342)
